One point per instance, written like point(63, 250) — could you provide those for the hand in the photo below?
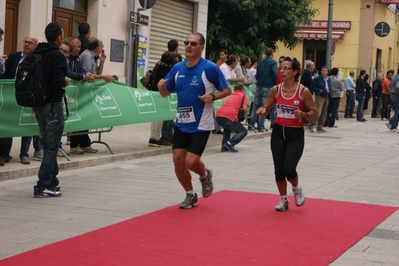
point(206, 98)
point(4, 57)
point(261, 111)
point(102, 57)
point(242, 79)
point(108, 78)
point(66, 82)
point(162, 84)
point(299, 114)
point(89, 77)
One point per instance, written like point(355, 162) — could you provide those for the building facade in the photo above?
point(364, 32)
point(131, 45)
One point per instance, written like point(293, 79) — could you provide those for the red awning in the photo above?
point(320, 34)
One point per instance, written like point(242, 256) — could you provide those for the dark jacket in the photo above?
point(266, 73)
point(55, 69)
point(84, 42)
point(361, 86)
point(75, 70)
point(306, 78)
point(377, 88)
point(11, 65)
point(161, 72)
point(318, 86)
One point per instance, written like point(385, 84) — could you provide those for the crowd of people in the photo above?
point(78, 58)
point(294, 100)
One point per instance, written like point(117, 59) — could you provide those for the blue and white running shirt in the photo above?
point(190, 82)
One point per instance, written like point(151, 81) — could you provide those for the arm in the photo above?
point(309, 104)
point(162, 88)
point(208, 98)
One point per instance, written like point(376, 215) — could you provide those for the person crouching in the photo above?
point(227, 117)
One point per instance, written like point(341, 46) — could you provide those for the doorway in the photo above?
point(315, 50)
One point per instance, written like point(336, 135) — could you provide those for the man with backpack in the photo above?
point(50, 116)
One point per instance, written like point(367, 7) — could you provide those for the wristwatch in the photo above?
point(213, 96)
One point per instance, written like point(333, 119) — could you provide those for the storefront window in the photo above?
point(78, 5)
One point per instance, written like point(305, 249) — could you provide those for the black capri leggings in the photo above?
point(287, 145)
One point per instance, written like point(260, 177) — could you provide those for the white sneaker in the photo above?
point(299, 198)
point(282, 205)
point(394, 130)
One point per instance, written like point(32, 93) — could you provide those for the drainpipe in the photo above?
point(329, 34)
point(129, 46)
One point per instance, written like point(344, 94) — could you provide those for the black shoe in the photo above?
point(154, 143)
point(362, 120)
point(217, 132)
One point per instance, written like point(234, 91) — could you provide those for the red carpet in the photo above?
point(229, 228)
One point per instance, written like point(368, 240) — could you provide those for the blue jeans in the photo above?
point(167, 130)
point(51, 125)
point(260, 99)
point(350, 103)
point(360, 99)
point(232, 126)
point(6, 144)
point(332, 111)
point(395, 118)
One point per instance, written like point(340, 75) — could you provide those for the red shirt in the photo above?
point(230, 106)
point(286, 107)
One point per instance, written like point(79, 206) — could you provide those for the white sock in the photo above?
point(205, 176)
point(284, 197)
point(295, 188)
point(190, 192)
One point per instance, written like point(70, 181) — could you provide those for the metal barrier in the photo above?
point(98, 131)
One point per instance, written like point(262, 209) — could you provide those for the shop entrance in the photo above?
point(315, 50)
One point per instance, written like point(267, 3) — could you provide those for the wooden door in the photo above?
point(11, 27)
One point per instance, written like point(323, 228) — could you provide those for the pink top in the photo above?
point(230, 106)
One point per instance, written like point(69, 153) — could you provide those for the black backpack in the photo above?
point(30, 88)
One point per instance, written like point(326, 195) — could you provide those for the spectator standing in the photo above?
point(350, 95)
point(194, 80)
point(392, 124)
point(84, 35)
point(2, 70)
point(361, 87)
point(50, 117)
point(167, 126)
point(306, 77)
point(88, 60)
point(75, 70)
point(287, 139)
point(279, 75)
point(376, 94)
point(163, 68)
point(2, 66)
point(386, 91)
point(11, 65)
point(242, 68)
point(335, 98)
point(227, 117)
point(367, 95)
point(266, 78)
point(222, 57)
point(228, 67)
point(321, 87)
point(251, 75)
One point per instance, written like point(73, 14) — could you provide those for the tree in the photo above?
point(248, 27)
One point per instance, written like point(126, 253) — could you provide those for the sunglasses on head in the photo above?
point(186, 43)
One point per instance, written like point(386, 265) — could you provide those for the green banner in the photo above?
point(92, 105)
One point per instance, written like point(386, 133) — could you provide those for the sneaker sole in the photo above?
point(230, 149)
point(299, 205)
point(281, 210)
point(47, 196)
point(189, 207)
